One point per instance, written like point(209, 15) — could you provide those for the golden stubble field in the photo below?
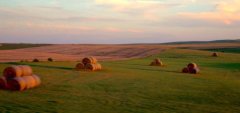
point(74, 52)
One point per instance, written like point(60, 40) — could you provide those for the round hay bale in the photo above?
point(89, 60)
point(153, 64)
point(99, 66)
point(30, 81)
point(37, 80)
point(194, 70)
point(50, 59)
point(93, 67)
point(80, 66)
point(159, 63)
point(12, 71)
point(192, 65)
point(185, 70)
point(17, 83)
point(17, 71)
point(215, 54)
point(26, 70)
point(3, 83)
point(35, 60)
point(157, 60)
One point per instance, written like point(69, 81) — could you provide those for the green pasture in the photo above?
point(132, 86)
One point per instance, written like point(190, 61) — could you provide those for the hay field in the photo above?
point(70, 52)
point(131, 86)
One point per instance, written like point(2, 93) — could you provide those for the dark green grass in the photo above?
point(225, 50)
point(133, 86)
point(19, 46)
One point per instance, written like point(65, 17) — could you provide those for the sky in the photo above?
point(118, 21)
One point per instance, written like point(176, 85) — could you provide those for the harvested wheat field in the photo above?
point(127, 86)
point(75, 52)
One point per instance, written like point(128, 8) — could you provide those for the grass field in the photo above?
point(19, 46)
point(132, 86)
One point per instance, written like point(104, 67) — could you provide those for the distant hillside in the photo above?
point(224, 50)
point(7, 46)
point(204, 42)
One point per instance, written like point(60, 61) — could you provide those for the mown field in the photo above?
point(131, 86)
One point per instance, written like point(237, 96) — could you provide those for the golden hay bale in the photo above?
point(23, 83)
point(194, 70)
point(215, 54)
point(17, 71)
point(50, 59)
point(30, 81)
point(35, 60)
point(157, 60)
point(89, 60)
point(185, 70)
point(26, 70)
point(37, 80)
point(154, 63)
point(192, 65)
point(80, 66)
point(17, 83)
point(12, 71)
point(3, 83)
point(159, 63)
point(93, 67)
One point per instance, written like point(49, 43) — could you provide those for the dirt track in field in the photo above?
point(75, 52)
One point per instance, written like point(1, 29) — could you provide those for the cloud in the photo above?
point(141, 9)
point(63, 19)
point(122, 20)
point(226, 12)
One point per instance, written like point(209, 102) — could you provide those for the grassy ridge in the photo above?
point(19, 46)
point(204, 42)
point(133, 86)
point(226, 50)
